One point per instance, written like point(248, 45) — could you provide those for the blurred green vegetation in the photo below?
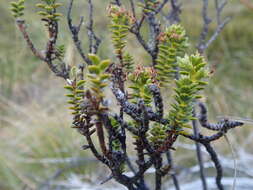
point(34, 121)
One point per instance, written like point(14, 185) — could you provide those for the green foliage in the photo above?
point(97, 75)
point(17, 8)
point(95, 82)
point(120, 24)
point(76, 91)
point(49, 10)
point(128, 63)
point(157, 134)
point(193, 72)
point(60, 51)
point(149, 6)
point(140, 81)
point(173, 43)
point(116, 145)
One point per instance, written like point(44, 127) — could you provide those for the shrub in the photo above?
point(138, 89)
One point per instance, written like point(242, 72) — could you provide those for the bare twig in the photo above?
point(161, 6)
point(217, 164)
point(132, 8)
point(93, 47)
point(199, 155)
point(204, 43)
point(207, 21)
point(75, 33)
point(22, 27)
point(172, 172)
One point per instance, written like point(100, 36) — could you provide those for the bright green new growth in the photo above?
point(140, 81)
point(76, 92)
point(17, 8)
point(173, 43)
point(97, 76)
point(95, 82)
point(49, 10)
point(120, 24)
point(193, 72)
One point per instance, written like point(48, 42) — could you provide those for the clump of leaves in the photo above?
point(149, 6)
point(193, 73)
point(97, 75)
point(76, 91)
point(48, 11)
point(158, 134)
point(17, 8)
point(121, 20)
point(140, 81)
point(173, 44)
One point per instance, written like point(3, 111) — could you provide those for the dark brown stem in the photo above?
point(199, 155)
point(101, 138)
point(158, 172)
point(22, 27)
point(75, 34)
point(217, 164)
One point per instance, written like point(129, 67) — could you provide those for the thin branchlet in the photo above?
point(204, 42)
point(217, 164)
point(94, 41)
point(198, 152)
point(222, 125)
point(75, 33)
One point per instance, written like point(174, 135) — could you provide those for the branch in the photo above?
point(125, 125)
point(136, 31)
point(223, 125)
point(203, 42)
point(133, 110)
point(22, 27)
point(50, 48)
point(217, 164)
point(217, 31)
point(132, 8)
point(75, 33)
point(160, 7)
point(142, 170)
point(158, 172)
point(117, 2)
point(207, 21)
point(172, 173)
point(199, 155)
point(157, 99)
point(154, 31)
point(93, 47)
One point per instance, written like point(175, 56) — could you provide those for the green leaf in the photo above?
point(70, 95)
point(71, 102)
point(80, 83)
point(104, 64)
point(94, 58)
point(104, 76)
point(94, 69)
point(69, 87)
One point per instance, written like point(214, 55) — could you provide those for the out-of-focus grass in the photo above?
point(35, 140)
point(35, 123)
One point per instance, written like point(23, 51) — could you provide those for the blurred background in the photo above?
point(39, 150)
